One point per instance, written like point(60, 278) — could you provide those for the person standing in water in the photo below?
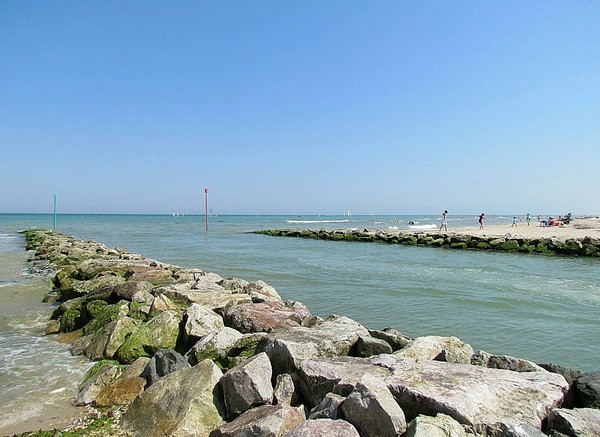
point(444, 220)
point(514, 222)
point(481, 219)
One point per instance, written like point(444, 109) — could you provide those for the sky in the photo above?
point(300, 107)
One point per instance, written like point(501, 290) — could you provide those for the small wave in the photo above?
point(423, 227)
point(316, 221)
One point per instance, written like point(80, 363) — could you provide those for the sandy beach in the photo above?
point(578, 228)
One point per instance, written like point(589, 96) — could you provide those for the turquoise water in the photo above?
point(539, 308)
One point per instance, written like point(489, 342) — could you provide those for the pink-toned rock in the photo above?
point(265, 316)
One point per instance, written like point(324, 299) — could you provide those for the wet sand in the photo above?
point(56, 416)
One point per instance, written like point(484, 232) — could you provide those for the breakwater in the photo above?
point(588, 246)
point(191, 353)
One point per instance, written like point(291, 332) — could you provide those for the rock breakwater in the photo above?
point(587, 246)
point(190, 353)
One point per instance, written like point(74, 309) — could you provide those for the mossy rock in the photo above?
point(496, 243)
point(336, 236)
point(104, 314)
point(96, 368)
point(64, 277)
point(96, 307)
point(483, 245)
point(510, 245)
point(34, 238)
point(589, 249)
point(527, 248)
point(160, 332)
point(71, 320)
point(410, 241)
point(243, 349)
point(438, 242)
point(459, 245)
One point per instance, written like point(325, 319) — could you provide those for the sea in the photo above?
point(544, 309)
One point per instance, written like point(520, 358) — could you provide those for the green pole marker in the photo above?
point(55, 211)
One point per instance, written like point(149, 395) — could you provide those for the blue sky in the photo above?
point(306, 107)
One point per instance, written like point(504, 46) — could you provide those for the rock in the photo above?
point(103, 374)
point(439, 426)
point(53, 327)
point(235, 285)
point(265, 316)
point(522, 430)
point(329, 408)
point(569, 374)
point(263, 421)
point(160, 332)
point(338, 375)
point(369, 346)
point(163, 362)
point(154, 275)
point(324, 427)
point(480, 397)
point(248, 385)
point(141, 303)
point(449, 349)
point(125, 388)
point(480, 358)
point(162, 303)
point(128, 289)
point(394, 338)
point(103, 315)
point(371, 408)
point(587, 390)
point(200, 321)
point(284, 389)
point(215, 346)
point(579, 422)
point(260, 291)
point(183, 403)
point(217, 301)
point(507, 362)
point(106, 341)
point(335, 336)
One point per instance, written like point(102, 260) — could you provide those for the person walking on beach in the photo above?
point(514, 223)
point(444, 220)
point(481, 219)
point(528, 219)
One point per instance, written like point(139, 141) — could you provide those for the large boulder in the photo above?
point(247, 385)
point(265, 316)
point(450, 349)
point(284, 390)
point(215, 346)
point(106, 341)
point(200, 321)
point(160, 332)
point(336, 336)
point(369, 346)
point(128, 289)
point(125, 388)
point(506, 362)
point(393, 337)
point(324, 427)
point(579, 422)
point(371, 408)
point(260, 291)
point(183, 403)
point(337, 375)
point(487, 399)
point(480, 397)
point(263, 421)
point(441, 425)
point(587, 389)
